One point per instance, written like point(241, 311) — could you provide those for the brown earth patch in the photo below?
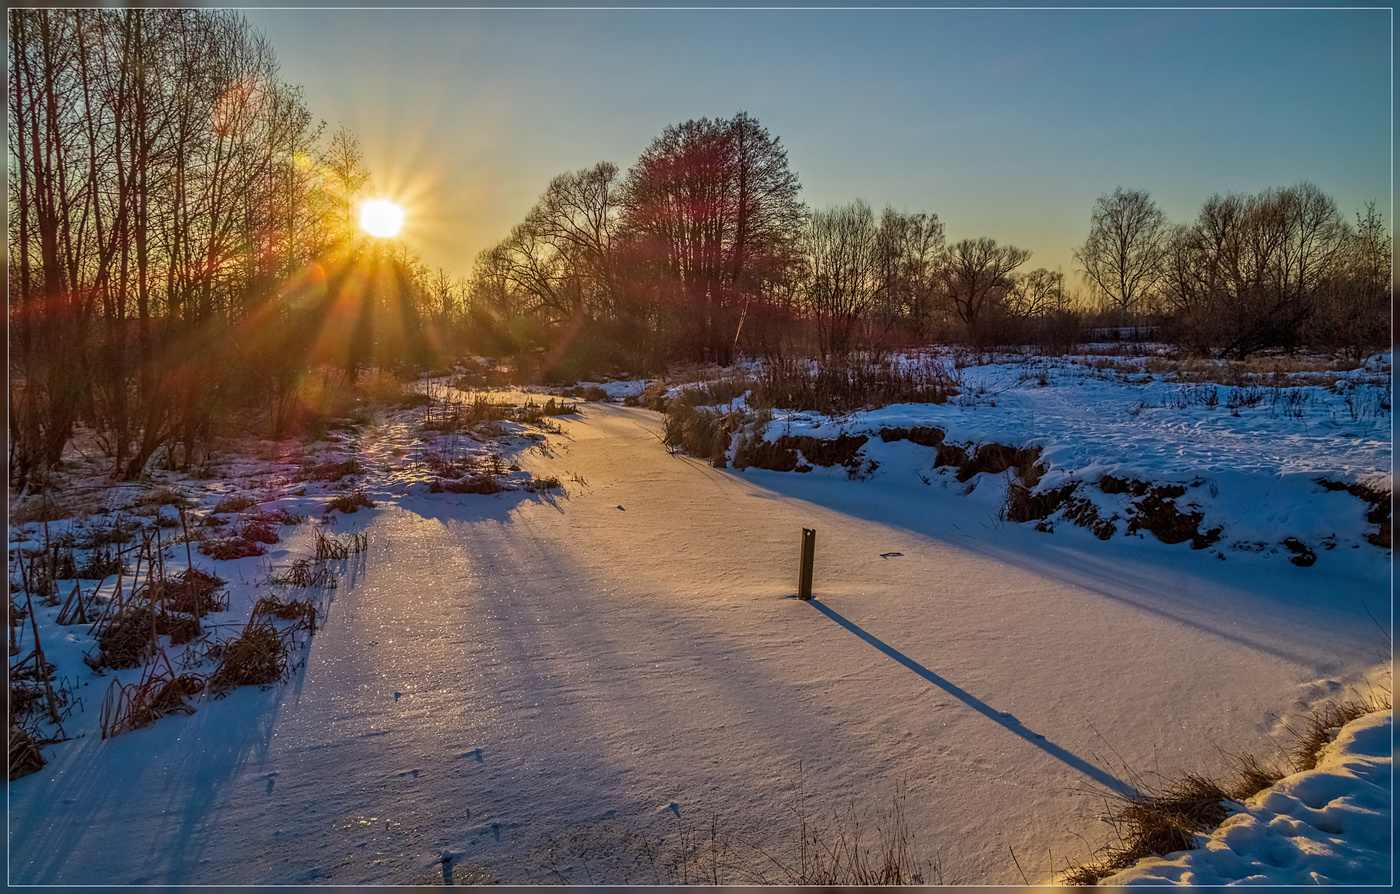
point(1158, 513)
point(923, 435)
point(781, 455)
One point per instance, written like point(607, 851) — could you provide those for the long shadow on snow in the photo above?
point(981, 707)
point(1245, 600)
point(529, 621)
point(180, 766)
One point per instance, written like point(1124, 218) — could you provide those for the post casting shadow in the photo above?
point(1100, 776)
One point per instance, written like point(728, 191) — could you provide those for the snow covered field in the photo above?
point(534, 686)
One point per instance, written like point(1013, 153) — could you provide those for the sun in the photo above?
point(381, 217)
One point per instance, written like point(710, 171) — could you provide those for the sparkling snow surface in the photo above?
point(502, 670)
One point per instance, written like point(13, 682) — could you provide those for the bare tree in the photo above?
point(976, 276)
point(1123, 255)
point(1251, 271)
point(909, 247)
point(843, 277)
point(1037, 294)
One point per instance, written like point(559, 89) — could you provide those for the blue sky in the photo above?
point(1005, 123)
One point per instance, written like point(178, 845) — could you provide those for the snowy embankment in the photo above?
point(1280, 468)
point(1326, 826)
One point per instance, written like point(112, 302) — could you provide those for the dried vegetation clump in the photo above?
point(234, 504)
point(1157, 512)
point(585, 392)
point(1156, 823)
point(330, 547)
point(25, 754)
point(256, 658)
point(160, 691)
point(701, 433)
point(194, 592)
point(333, 471)
point(1164, 820)
point(475, 484)
point(349, 502)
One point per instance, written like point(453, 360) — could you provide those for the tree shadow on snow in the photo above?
point(182, 765)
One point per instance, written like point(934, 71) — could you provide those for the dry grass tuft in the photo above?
point(302, 573)
point(234, 504)
point(300, 610)
point(1157, 822)
point(226, 548)
point(163, 496)
point(1166, 820)
point(333, 471)
point(845, 852)
point(160, 691)
point(1322, 725)
point(330, 547)
point(127, 639)
point(25, 754)
point(256, 658)
point(350, 502)
point(193, 592)
point(42, 509)
point(701, 433)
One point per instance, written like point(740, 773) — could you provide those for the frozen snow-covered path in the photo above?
point(504, 670)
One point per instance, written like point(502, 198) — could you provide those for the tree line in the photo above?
point(704, 250)
point(183, 251)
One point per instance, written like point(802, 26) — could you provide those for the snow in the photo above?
point(1253, 470)
point(1327, 826)
point(500, 676)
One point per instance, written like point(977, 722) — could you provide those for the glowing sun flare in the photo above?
point(381, 218)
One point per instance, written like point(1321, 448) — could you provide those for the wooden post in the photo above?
point(809, 549)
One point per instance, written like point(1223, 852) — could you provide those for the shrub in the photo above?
point(701, 433)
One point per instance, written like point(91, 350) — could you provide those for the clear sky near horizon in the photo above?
point(1005, 123)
